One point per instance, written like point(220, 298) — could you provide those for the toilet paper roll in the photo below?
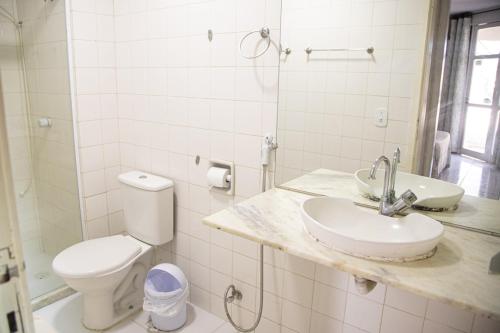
point(218, 177)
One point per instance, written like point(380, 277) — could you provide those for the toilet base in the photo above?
point(98, 310)
point(103, 309)
point(96, 314)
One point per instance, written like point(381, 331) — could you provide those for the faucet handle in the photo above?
point(405, 201)
point(409, 197)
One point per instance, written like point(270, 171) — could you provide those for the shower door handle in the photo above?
point(8, 272)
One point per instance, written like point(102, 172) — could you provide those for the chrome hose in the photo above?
point(232, 293)
point(235, 294)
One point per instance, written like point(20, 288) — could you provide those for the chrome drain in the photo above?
point(42, 275)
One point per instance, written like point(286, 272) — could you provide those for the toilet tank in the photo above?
point(148, 207)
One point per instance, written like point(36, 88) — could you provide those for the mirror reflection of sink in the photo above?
point(431, 193)
point(343, 226)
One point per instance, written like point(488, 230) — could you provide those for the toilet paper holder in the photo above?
point(231, 180)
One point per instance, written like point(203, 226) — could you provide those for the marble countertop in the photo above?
point(478, 214)
point(273, 218)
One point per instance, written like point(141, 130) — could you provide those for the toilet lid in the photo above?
point(95, 257)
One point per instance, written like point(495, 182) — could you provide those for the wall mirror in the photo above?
point(360, 79)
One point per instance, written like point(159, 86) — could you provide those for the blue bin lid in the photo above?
point(165, 281)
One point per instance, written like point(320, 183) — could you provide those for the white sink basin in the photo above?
point(431, 193)
point(341, 225)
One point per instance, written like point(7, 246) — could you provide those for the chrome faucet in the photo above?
point(396, 159)
point(389, 204)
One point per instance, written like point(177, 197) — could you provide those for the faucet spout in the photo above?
point(387, 174)
point(389, 204)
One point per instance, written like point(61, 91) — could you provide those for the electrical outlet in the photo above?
point(380, 117)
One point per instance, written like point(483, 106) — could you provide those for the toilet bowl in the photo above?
point(110, 271)
point(102, 270)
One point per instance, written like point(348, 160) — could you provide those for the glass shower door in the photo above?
point(40, 134)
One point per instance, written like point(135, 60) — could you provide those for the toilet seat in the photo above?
point(95, 257)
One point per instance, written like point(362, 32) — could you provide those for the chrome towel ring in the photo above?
point(265, 34)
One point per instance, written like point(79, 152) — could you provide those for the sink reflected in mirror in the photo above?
point(432, 194)
point(345, 227)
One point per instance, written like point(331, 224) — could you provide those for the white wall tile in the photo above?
point(485, 325)
point(329, 301)
point(406, 301)
point(298, 289)
point(96, 206)
point(97, 228)
point(91, 158)
point(384, 12)
point(432, 327)
point(221, 259)
point(273, 279)
point(200, 251)
point(449, 316)
point(94, 182)
point(331, 277)
point(321, 323)
point(299, 266)
point(394, 320)
point(200, 275)
point(245, 269)
point(363, 313)
point(84, 26)
point(296, 317)
point(351, 329)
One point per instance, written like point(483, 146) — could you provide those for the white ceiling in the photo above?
point(460, 6)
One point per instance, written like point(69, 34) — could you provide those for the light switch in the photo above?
point(380, 117)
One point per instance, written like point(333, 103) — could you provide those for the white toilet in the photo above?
point(110, 271)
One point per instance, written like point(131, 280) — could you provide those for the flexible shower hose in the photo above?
point(232, 287)
point(261, 303)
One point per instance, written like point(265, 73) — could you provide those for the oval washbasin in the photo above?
point(343, 226)
point(431, 193)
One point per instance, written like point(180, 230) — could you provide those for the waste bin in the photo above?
point(166, 290)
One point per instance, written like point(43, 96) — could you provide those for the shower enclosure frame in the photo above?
point(13, 271)
point(74, 115)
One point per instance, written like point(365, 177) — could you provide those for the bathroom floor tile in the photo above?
point(41, 278)
point(226, 328)
point(127, 327)
point(478, 178)
point(41, 326)
point(200, 320)
point(65, 316)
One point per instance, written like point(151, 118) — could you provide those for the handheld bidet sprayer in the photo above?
point(267, 147)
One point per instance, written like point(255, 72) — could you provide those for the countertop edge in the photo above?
point(355, 271)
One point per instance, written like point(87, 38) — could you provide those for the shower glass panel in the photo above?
point(37, 104)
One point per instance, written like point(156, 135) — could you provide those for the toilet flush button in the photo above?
point(143, 177)
point(380, 117)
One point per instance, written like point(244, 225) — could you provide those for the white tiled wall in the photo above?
point(328, 99)
point(96, 103)
point(178, 96)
